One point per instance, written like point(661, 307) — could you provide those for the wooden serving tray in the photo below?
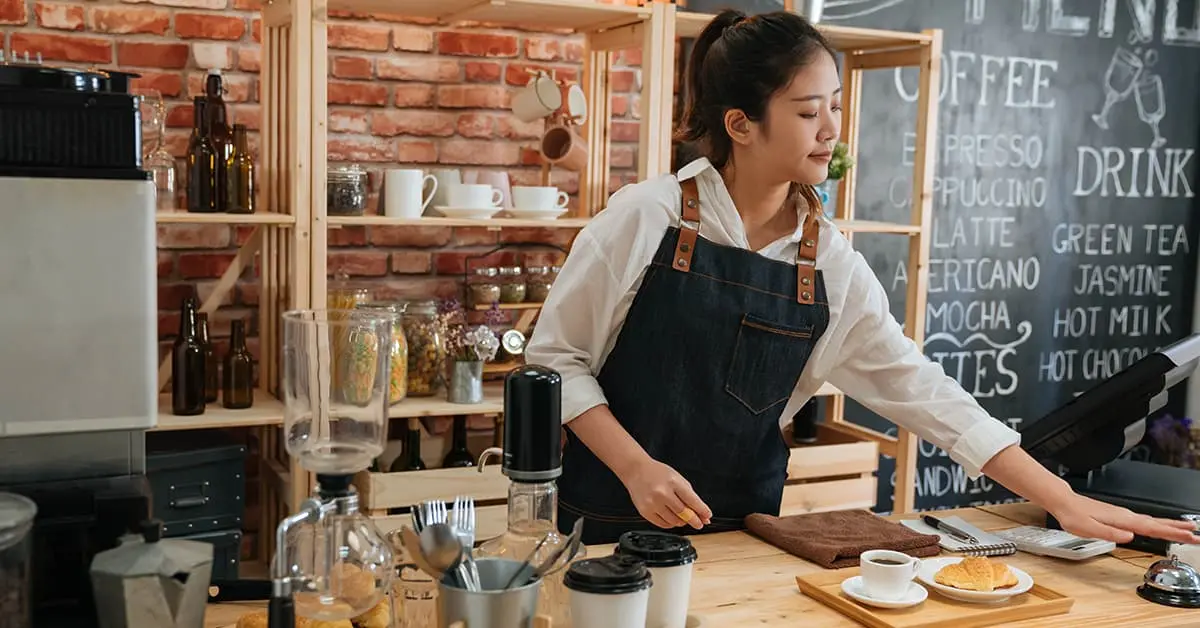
point(936, 611)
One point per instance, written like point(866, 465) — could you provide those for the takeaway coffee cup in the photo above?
point(608, 592)
point(886, 575)
point(669, 557)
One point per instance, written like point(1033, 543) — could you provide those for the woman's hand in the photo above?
point(1088, 518)
point(665, 498)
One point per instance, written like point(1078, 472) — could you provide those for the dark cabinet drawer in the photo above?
point(198, 481)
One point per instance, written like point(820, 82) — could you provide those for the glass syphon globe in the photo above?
point(340, 568)
point(335, 387)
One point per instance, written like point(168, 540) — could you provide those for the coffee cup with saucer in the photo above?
point(886, 580)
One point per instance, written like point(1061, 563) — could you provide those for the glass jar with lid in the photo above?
point(512, 285)
point(484, 287)
point(537, 286)
point(346, 191)
point(397, 352)
point(426, 348)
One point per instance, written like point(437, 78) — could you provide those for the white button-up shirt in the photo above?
point(864, 352)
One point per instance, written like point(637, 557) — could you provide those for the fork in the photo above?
point(435, 512)
point(464, 526)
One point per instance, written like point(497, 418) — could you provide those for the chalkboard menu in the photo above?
point(1064, 222)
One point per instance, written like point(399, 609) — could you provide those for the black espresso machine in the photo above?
point(78, 330)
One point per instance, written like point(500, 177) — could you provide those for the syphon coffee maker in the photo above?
point(331, 563)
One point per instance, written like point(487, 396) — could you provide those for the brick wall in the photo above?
point(399, 92)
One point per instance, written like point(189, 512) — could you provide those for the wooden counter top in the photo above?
point(742, 581)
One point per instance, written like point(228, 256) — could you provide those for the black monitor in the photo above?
point(1087, 436)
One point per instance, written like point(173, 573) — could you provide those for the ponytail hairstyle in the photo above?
point(740, 62)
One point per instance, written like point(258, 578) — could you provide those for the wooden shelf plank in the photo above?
point(844, 38)
point(432, 221)
point(413, 407)
point(259, 218)
point(875, 226)
point(572, 15)
point(510, 306)
point(267, 410)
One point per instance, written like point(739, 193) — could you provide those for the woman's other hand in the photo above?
point(1089, 518)
point(663, 497)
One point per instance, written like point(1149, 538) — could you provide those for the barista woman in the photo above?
point(698, 307)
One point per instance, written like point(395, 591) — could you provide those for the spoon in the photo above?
point(410, 542)
point(441, 547)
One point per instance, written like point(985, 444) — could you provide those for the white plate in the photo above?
point(930, 566)
point(536, 214)
point(853, 587)
point(468, 213)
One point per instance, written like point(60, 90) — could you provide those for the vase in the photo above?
point(466, 382)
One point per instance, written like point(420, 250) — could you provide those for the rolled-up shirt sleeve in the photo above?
point(573, 327)
point(887, 372)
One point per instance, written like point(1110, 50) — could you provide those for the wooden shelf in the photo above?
point(267, 410)
point(570, 15)
point(259, 218)
point(874, 226)
point(689, 24)
point(413, 407)
point(510, 306)
point(432, 221)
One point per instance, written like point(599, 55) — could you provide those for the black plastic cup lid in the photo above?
point(657, 549)
point(609, 575)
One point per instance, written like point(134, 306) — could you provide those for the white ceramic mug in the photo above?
point(539, 198)
point(496, 179)
point(446, 177)
point(404, 192)
point(886, 575)
point(538, 99)
point(473, 196)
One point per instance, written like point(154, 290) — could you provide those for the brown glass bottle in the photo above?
point(237, 378)
point(201, 163)
point(239, 170)
point(187, 364)
point(218, 129)
point(410, 458)
point(459, 455)
point(211, 374)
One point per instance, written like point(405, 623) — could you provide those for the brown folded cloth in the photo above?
point(835, 539)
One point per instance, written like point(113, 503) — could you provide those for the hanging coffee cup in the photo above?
point(538, 99)
point(562, 146)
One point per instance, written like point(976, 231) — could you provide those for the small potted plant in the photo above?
point(467, 349)
point(839, 165)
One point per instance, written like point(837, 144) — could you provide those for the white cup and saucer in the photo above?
point(538, 202)
point(886, 580)
point(471, 201)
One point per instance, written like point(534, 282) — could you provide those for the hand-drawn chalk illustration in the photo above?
point(849, 9)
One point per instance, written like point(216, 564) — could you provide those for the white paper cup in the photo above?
point(669, 557)
point(608, 592)
point(886, 575)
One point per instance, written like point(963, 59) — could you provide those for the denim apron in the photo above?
point(712, 347)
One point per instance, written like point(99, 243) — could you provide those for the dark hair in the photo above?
point(740, 62)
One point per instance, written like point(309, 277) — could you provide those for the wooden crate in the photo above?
point(379, 492)
point(822, 478)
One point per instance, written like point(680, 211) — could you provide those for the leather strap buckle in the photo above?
point(689, 226)
point(806, 260)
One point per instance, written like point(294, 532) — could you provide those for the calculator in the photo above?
point(1056, 543)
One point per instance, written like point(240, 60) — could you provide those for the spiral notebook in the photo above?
point(989, 544)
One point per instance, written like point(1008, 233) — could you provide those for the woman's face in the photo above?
point(803, 122)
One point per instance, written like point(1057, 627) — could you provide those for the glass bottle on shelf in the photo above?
point(398, 363)
point(239, 169)
point(410, 457)
point(426, 348)
point(342, 298)
point(201, 162)
point(237, 386)
point(218, 130)
point(459, 455)
point(187, 364)
point(211, 366)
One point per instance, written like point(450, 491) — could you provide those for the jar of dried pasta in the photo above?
point(426, 348)
point(484, 286)
point(512, 285)
point(398, 349)
point(341, 300)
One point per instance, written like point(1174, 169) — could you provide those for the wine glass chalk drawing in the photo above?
point(1123, 71)
point(1149, 97)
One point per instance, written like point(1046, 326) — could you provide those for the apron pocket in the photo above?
point(768, 359)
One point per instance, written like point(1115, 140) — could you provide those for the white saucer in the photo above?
point(930, 567)
point(853, 587)
point(468, 213)
point(537, 214)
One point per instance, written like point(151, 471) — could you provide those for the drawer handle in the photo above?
point(197, 498)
